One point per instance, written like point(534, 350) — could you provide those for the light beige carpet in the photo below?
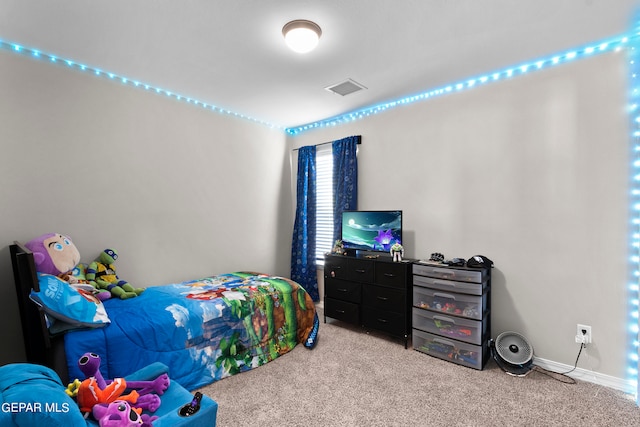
point(353, 378)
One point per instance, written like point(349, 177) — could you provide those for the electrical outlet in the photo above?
point(583, 334)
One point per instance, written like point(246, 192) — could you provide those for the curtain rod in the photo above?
point(331, 142)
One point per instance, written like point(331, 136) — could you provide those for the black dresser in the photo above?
point(374, 293)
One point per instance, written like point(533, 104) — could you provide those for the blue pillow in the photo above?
point(62, 301)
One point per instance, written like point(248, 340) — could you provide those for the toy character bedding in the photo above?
point(203, 330)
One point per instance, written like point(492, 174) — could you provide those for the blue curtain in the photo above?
point(345, 180)
point(303, 248)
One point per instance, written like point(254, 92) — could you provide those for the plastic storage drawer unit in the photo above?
point(451, 314)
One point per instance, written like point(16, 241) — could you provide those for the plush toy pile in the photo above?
point(56, 254)
point(117, 402)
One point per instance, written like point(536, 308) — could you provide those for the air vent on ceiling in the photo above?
point(345, 88)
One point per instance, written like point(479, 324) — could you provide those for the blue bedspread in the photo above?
point(203, 330)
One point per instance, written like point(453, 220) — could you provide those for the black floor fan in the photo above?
point(513, 353)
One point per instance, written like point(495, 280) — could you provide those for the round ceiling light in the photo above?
point(301, 36)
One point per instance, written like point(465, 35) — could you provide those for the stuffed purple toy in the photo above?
point(147, 392)
point(119, 413)
point(89, 364)
point(54, 253)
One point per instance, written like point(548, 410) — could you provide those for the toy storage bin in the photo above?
point(472, 356)
point(469, 306)
point(450, 285)
point(457, 328)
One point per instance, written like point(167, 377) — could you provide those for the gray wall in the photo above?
point(531, 172)
point(180, 192)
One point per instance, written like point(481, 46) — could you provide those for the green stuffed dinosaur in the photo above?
point(102, 274)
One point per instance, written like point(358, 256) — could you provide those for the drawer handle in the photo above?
point(361, 271)
point(444, 319)
point(444, 272)
point(340, 311)
point(383, 321)
point(383, 298)
point(389, 274)
point(441, 283)
point(341, 290)
point(448, 296)
point(445, 342)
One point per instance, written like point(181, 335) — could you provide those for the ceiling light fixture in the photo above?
point(301, 36)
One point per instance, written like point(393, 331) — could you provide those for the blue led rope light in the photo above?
point(563, 58)
point(633, 362)
point(36, 54)
point(521, 69)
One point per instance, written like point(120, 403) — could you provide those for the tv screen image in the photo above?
point(371, 230)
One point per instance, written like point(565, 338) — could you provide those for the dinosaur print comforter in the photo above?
point(203, 330)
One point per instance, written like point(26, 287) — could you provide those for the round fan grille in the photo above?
point(514, 348)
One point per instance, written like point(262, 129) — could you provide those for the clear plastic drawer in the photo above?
point(460, 274)
point(472, 356)
point(469, 306)
point(450, 285)
point(471, 331)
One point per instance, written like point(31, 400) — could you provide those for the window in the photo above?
point(324, 201)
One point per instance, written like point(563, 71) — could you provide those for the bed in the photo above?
point(203, 330)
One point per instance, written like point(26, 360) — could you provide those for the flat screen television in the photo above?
point(371, 230)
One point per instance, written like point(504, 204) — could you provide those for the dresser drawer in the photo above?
point(382, 298)
point(451, 273)
point(342, 290)
point(451, 285)
point(391, 274)
point(469, 306)
point(473, 356)
point(342, 310)
point(387, 321)
point(471, 331)
point(336, 267)
point(361, 270)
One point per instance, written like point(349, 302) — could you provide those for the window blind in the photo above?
point(324, 201)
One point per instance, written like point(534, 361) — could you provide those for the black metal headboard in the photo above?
point(40, 346)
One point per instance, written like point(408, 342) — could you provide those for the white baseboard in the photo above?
point(588, 375)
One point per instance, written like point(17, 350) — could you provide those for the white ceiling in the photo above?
point(230, 53)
